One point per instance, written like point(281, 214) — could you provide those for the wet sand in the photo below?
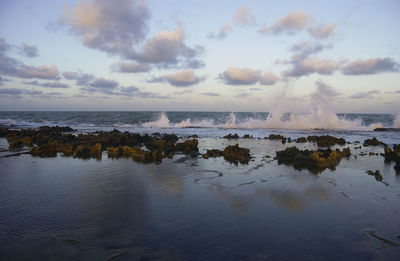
point(190, 208)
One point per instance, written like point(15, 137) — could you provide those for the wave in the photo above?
point(396, 121)
point(306, 121)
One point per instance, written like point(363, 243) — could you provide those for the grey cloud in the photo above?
point(243, 16)
point(371, 66)
point(247, 76)
point(48, 84)
point(108, 26)
point(104, 83)
point(212, 94)
point(304, 49)
point(365, 95)
point(168, 49)
point(82, 79)
point(121, 29)
point(180, 79)
point(28, 50)
point(130, 91)
point(224, 30)
point(15, 92)
point(2, 80)
point(124, 67)
point(4, 46)
point(312, 65)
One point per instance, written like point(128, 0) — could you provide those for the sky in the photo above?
point(170, 55)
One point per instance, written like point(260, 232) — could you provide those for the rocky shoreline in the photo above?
point(48, 141)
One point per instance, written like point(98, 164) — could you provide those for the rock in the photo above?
point(213, 154)
point(188, 147)
point(315, 161)
point(393, 155)
point(373, 142)
point(235, 154)
point(230, 136)
point(326, 140)
point(376, 174)
point(276, 137)
point(301, 140)
point(247, 136)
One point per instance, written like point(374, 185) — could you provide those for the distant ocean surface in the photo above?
point(212, 124)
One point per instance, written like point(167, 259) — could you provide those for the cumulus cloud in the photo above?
point(108, 26)
point(247, 76)
point(180, 79)
point(294, 21)
point(104, 83)
point(365, 95)
point(371, 66)
point(28, 50)
point(48, 84)
point(243, 16)
point(121, 29)
point(125, 67)
point(321, 31)
point(224, 30)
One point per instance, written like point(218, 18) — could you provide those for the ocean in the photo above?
point(192, 208)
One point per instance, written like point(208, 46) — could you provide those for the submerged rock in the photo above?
point(373, 142)
point(315, 161)
point(377, 174)
point(235, 154)
point(326, 140)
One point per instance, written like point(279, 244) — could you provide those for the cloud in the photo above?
point(167, 48)
point(242, 95)
point(371, 66)
point(180, 79)
point(15, 92)
point(28, 50)
point(212, 94)
point(321, 31)
point(268, 78)
point(294, 21)
point(224, 30)
point(243, 17)
point(4, 46)
point(2, 80)
point(104, 83)
point(133, 91)
point(312, 65)
point(107, 26)
point(121, 29)
point(48, 84)
point(365, 95)
point(304, 49)
point(124, 67)
point(247, 76)
point(82, 79)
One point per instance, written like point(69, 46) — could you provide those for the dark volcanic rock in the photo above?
point(230, 136)
point(393, 155)
point(373, 142)
point(235, 154)
point(326, 140)
point(315, 161)
point(213, 154)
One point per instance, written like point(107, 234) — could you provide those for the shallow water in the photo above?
point(196, 209)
